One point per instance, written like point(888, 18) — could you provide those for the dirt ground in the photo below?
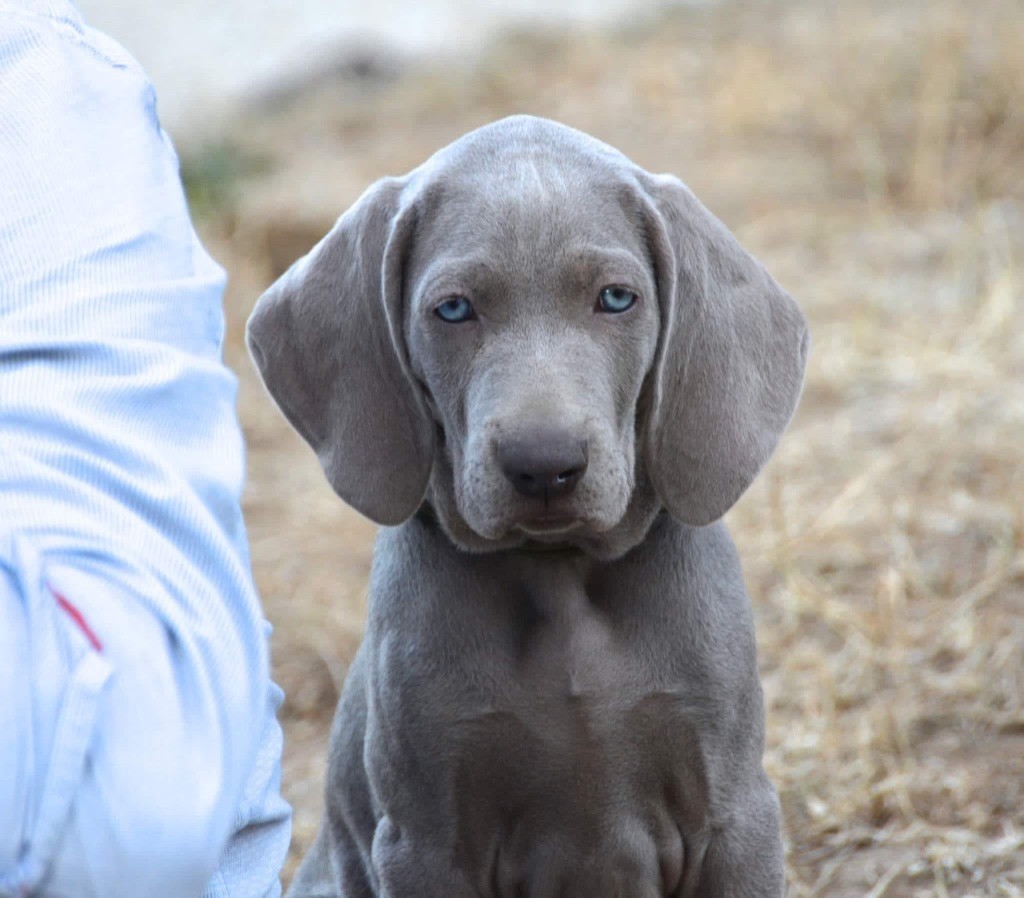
point(872, 155)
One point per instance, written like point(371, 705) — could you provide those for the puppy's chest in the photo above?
point(573, 747)
point(573, 681)
point(561, 648)
point(545, 731)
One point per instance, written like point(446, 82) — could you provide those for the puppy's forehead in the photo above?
point(526, 186)
point(525, 146)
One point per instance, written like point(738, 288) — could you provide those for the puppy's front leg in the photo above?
point(410, 867)
point(744, 859)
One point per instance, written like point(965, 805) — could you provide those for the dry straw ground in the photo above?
point(873, 157)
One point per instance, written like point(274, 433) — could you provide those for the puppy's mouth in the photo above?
point(549, 524)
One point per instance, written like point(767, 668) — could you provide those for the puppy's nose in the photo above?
point(543, 464)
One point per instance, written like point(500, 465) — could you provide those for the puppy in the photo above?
point(549, 373)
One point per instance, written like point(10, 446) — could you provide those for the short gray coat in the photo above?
point(555, 697)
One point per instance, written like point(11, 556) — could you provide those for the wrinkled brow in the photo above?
point(465, 275)
point(585, 267)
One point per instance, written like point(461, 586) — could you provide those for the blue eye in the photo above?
point(455, 310)
point(615, 299)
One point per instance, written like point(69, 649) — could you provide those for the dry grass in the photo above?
point(873, 157)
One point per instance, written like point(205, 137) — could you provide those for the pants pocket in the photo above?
point(52, 676)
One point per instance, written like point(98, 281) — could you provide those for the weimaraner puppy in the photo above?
point(549, 373)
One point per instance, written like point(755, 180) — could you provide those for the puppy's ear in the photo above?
point(730, 363)
point(328, 341)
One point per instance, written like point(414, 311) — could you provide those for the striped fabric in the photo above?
point(139, 749)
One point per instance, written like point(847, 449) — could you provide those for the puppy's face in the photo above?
point(541, 339)
point(531, 320)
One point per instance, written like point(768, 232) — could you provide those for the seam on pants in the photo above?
point(67, 760)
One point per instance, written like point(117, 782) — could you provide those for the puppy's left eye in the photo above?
point(615, 299)
point(455, 310)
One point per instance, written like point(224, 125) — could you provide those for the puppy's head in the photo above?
point(544, 341)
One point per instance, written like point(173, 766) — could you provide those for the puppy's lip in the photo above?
point(548, 525)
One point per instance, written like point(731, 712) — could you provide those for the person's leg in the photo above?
point(262, 829)
point(134, 668)
point(104, 788)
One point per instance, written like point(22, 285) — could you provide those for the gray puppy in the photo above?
point(550, 373)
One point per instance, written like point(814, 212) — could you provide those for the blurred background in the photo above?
point(872, 155)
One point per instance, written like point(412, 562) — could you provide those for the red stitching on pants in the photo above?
point(77, 617)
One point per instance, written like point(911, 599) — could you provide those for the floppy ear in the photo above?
point(730, 364)
point(328, 341)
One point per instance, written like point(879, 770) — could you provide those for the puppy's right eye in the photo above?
point(455, 310)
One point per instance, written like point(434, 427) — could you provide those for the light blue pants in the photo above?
point(139, 750)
